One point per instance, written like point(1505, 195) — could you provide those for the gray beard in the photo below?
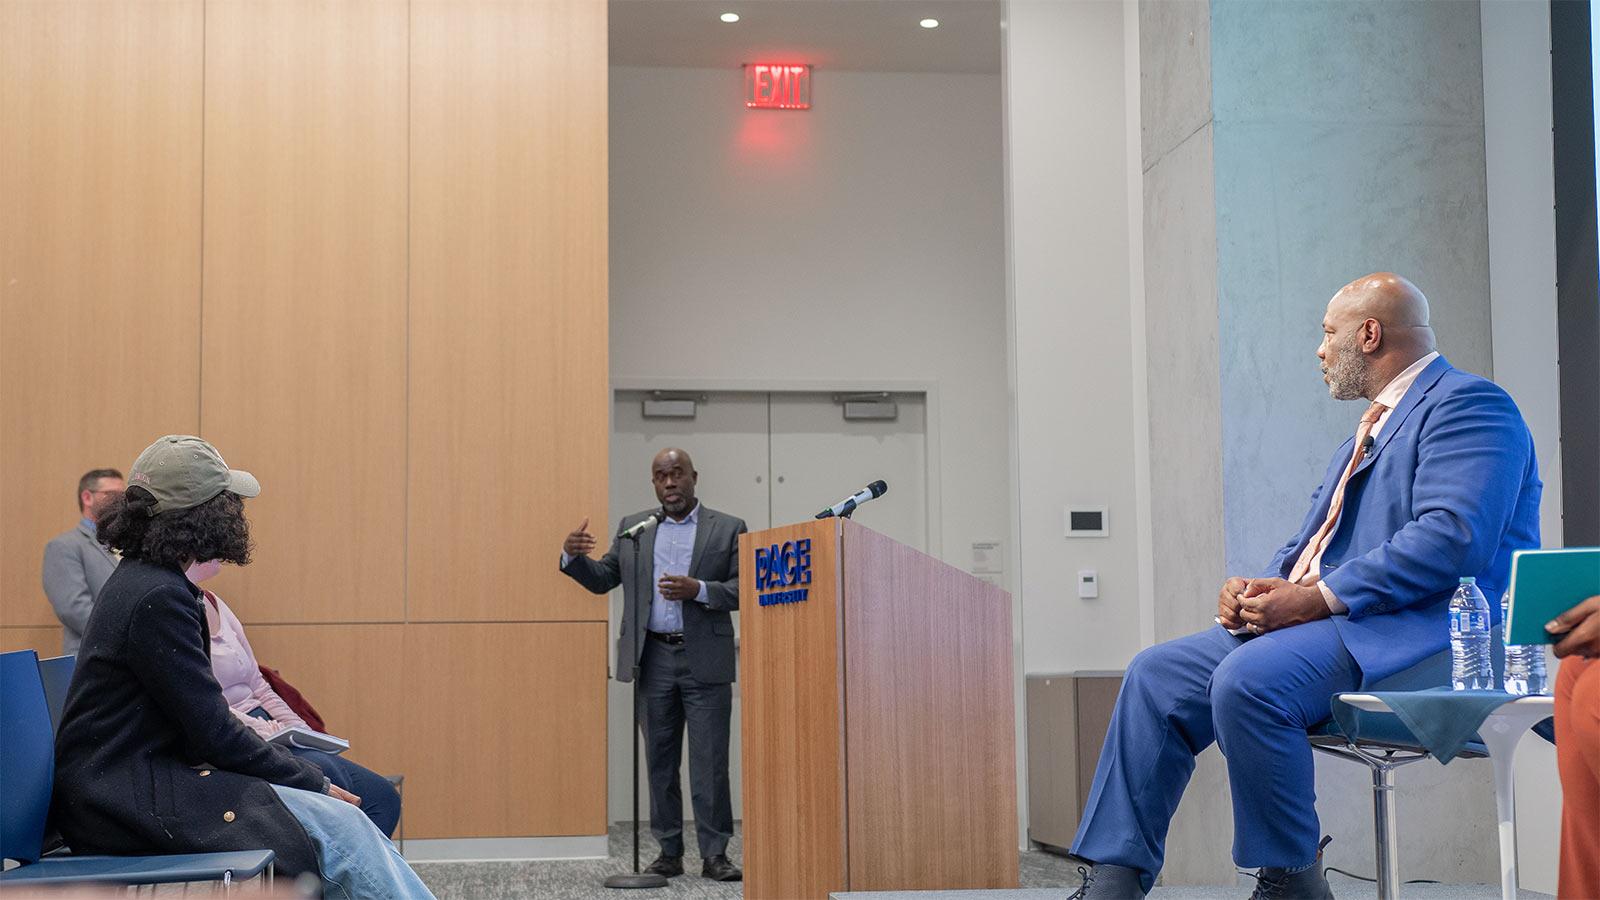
point(1347, 378)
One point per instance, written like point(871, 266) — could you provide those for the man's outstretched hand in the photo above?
point(580, 542)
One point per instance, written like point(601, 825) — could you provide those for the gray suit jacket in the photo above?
point(707, 628)
point(75, 566)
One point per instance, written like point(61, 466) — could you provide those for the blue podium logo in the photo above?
point(782, 572)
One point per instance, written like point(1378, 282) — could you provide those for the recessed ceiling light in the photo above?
point(730, 18)
point(929, 23)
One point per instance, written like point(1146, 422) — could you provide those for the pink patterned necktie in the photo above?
point(1317, 543)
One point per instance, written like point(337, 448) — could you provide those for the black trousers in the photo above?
point(670, 699)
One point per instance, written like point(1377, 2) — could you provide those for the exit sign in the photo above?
point(777, 86)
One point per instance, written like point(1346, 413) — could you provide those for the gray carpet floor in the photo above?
point(578, 878)
point(1343, 888)
point(1043, 877)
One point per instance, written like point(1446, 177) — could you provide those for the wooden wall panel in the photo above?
point(351, 674)
point(99, 257)
point(305, 298)
point(508, 376)
point(509, 738)
point(46, 641)
point(383, 290)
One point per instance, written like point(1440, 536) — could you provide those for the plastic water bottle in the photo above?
point(1524, 662)
point(1471, 667)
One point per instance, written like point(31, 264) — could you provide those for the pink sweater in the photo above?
point(234, 664)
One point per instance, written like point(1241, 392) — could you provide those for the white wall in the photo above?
point(1075, 408)
point(862, 239)
point(1522, 295)
point(1080, 433)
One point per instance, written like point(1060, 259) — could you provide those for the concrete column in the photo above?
point(1289, 148)
point(1349, 138)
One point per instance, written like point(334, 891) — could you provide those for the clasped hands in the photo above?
point(580, 542)
point(1268, 604)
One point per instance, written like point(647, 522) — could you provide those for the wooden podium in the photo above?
point(879, 722)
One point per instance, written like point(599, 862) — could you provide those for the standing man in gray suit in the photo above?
point(680, 585)
point(75, 563)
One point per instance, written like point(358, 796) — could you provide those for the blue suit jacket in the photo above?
point(1450, 488)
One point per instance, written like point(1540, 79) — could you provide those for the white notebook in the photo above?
point(307, 739)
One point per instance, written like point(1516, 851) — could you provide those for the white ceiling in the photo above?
point(858, 35)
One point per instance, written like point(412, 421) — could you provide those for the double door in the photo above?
point(770, 458)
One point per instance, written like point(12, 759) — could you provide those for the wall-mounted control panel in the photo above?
point(1086, 521)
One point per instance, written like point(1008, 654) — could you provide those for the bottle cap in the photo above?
point(1469, 580)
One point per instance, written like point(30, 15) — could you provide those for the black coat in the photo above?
point(707, 628)
point(149, 758)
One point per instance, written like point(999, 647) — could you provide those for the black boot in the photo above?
point(1306, 884)
point(1107, 882)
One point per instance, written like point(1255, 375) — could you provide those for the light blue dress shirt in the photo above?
point(674, 552)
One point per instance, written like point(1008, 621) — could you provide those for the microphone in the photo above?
point(633, 531)
point(1366, 444)
point(848, 505)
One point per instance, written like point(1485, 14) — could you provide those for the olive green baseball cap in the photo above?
point(182, 471)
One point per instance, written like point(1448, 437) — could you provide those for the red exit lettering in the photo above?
point(777, 86)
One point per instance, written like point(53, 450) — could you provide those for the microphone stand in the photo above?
point(636, 879)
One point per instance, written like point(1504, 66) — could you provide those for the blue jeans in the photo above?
point(379, 800)
point(356, 861)
point(1253, 697)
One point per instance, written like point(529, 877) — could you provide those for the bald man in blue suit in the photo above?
point(1438, 481)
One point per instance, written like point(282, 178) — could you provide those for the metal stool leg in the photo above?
point(1386, 832)
point(1385, 829)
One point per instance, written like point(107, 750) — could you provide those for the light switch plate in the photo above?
point(1088, 584)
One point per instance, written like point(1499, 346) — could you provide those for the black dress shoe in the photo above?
point(717, 868)
point(1306, 884)
point(667, 866)
point(1108, 882)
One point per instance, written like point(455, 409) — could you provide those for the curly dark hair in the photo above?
point(216, 529)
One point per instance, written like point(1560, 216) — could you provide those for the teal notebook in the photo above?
point(1547, 583)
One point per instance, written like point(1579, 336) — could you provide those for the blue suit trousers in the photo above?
point(1255, 697)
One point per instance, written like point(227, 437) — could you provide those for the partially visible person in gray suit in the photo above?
point(75, 563)
point(680, 584)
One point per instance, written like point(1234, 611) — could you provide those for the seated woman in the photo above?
point(149, 758)
point(259, 707)
point(1576, 634)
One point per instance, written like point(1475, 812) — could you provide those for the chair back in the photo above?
point(27, 757)
point(56, 673)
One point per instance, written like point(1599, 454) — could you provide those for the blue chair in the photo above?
point(27, 757)
point(56, 673)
